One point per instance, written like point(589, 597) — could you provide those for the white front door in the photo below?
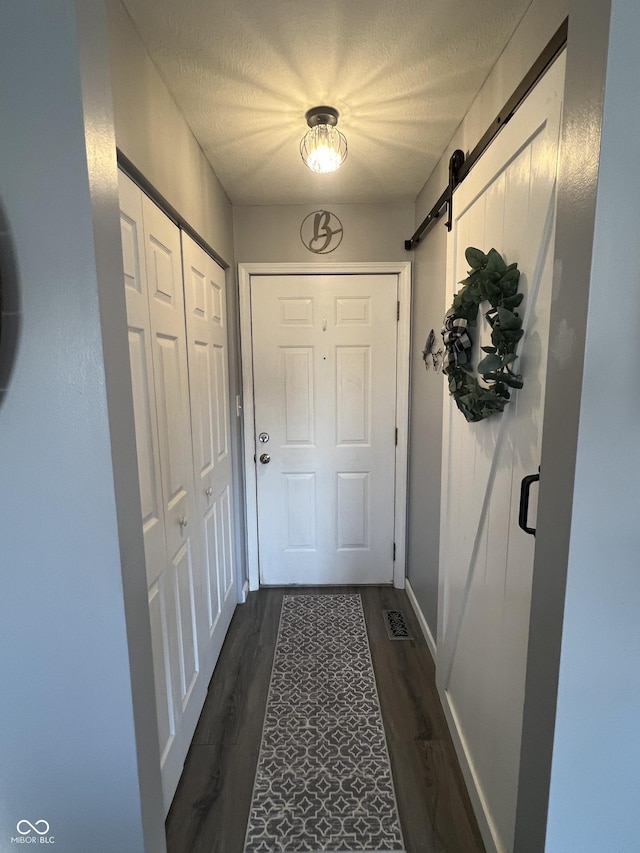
point(324, 371)
point(486, 561)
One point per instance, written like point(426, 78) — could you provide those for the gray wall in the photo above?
point(78, 739)
point(372, 232)
point(429, 272)
point(425, 435)
point(153, 134)
point(580, 749)
point(590, 491)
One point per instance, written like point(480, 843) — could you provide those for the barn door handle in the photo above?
point(525, 488)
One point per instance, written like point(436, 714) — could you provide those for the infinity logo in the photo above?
point(41, 827)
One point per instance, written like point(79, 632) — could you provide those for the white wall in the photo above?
point(372, 232)
point(536, 28)
point(78, 740)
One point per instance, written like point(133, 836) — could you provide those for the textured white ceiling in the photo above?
point(401, 73)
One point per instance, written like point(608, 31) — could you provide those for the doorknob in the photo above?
point(182, 521)
point(265, 458)
point(208, 491)
point(525, 488)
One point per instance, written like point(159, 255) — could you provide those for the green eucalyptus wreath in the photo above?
point(490, 280)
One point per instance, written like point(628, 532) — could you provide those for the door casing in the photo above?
point(403, 270)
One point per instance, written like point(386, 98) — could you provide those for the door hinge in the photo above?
point(396, 436)
point(398, 312)
point(394, 552)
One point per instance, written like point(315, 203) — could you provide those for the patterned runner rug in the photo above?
point(323, 781)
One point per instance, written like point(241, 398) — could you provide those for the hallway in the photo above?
point(211, 806)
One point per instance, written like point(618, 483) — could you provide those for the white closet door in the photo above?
point(151, 500)
point(205, 301)
point(165, 465)
point(166, 308)
point(144, 397)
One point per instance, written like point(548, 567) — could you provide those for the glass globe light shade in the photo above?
point(323, 148)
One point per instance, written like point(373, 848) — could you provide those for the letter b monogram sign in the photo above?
point(321, 232)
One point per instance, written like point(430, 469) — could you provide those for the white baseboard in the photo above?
point(480, 808)
point(244, 593)
point(485, 824)
point(421, 619)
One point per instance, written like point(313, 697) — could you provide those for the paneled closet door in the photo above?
point(165, 461)
point(144, 397)
point(147, 444)
point(207, 340)
point(166, 309)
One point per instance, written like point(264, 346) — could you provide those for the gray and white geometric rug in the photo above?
point(323, 781)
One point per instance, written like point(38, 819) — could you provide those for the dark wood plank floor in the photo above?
point(210, 810)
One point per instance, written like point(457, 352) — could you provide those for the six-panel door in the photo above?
point(205, 303)
point(324, 368)
point(187, 531)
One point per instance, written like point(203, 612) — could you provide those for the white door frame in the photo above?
point(403, 270)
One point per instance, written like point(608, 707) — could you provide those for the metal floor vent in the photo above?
point(397, 628)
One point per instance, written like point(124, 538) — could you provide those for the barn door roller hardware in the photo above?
point(455, 164)
point(459, 167)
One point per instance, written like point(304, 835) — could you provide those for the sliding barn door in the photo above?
point(507, 202)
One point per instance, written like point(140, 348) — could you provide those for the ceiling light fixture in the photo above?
point(323, 147)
